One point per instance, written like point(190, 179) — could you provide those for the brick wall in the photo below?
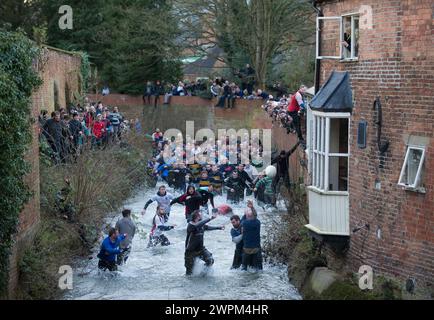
point(396, 63)
point(60, 70)
point(61, 67)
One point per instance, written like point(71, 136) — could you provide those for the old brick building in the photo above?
point(379, 179)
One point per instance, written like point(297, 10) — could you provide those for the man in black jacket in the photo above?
point(76, 129)
point(235, 187)
point(157, 91)
point(52, 130)
point(194, 247)
point(281, 162)
point(245, 177)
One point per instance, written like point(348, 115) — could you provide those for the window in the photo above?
point(411, 171)
point(337, 37)
point(329, 151)
point(350, 37)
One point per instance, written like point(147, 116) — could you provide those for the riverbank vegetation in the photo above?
point(291, 244)
point(72, 214)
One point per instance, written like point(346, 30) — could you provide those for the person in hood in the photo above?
point(163, 198)
point(109, 250)
point(159, 225)
point(192, 201)
point(194, 246)
point(125, 226)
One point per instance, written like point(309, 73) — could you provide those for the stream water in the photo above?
point(159, 273)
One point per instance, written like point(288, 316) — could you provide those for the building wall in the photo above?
point(396, 63)
point(53, 65)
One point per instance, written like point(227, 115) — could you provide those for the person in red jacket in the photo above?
point(98, 131)
point(296, 104)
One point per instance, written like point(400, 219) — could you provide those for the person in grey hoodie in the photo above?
point(125, 226)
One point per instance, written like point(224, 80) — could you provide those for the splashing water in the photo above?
point(159, 273)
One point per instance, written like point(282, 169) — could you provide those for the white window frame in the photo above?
point(352, 15)
point(417, 179)
point(320, 154)
point(341, 36)
point(318, 19)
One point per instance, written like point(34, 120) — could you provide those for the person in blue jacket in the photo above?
point(163, 171)
point(109, 250)
point(251, 231)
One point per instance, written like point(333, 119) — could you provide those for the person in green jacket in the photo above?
point(267, 184)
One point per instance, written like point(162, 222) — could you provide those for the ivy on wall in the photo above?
point(84, 72)
point(17, 81)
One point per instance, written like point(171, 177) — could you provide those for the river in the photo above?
point(159, 273)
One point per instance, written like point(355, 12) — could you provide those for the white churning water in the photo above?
point(159, 273)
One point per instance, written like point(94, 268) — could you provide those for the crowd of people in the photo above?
point(225, 91)
point(288, 112)
point(197, 184)
point(153, 91)
point(69, 131)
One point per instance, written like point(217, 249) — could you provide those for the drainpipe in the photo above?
point(317, 61)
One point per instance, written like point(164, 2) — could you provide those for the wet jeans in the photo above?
point(203, 254)
point(252, 257)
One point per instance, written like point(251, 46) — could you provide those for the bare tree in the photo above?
point(259, 28)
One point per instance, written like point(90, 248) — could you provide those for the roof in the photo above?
point(207, 62)
point(335, 95)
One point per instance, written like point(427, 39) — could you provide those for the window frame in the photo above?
point(352, 15)
point(319, 153)
point(417, 179)
point(340, 37)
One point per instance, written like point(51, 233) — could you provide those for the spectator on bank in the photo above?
point(215, 89)
point(76, 129)
point(157, 91)
point(98, 130)
point(105, 91)
point(116, 118)
point(262, 95)
point(52, 130)
point(147, 93)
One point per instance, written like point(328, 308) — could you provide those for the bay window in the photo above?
point(329, 151)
